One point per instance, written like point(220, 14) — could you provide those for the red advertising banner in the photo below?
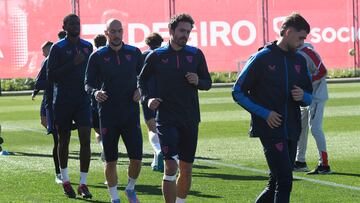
point(227, 31)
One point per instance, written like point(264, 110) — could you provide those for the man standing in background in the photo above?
point(313, 115)
point(154, 41)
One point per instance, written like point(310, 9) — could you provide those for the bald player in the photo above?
point(115, 68)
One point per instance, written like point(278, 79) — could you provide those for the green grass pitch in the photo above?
point(229, 166)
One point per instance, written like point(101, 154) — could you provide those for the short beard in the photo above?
point(116, 45)
point(73, 34)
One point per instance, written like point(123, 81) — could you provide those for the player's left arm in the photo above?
point(204, 79)
point(139, 65)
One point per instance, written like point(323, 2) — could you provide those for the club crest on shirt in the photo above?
point(189, 59)
point(68, 52)
point(272, 67)
point(297, 68)
point(86, 50)
point(128, 57)
point(107, 59)
point(165, 60)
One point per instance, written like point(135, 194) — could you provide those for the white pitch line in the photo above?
point(321, 182)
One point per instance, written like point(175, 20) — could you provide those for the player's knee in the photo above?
point(185, 171)
point(169, 178)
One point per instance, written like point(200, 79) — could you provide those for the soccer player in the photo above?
point(313, 116)
point(46, 107)
point(66, 70)
point(273, 85)
point(179, 71)
point(116, 67)
point(99, 41)
point(154, 41)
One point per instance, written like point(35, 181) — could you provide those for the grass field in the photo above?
point(229, 166)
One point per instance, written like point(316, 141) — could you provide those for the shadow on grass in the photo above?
point(345, 174)
point(71, 156)
point(229, 176)
point(206, 158)
point(150, 190)
point(89, 200)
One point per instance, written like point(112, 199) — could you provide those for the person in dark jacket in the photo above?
point(179, 72)
point(66, 71)
point(46, 107)
point(273, 85)
point(153, 40)
point(111, 77)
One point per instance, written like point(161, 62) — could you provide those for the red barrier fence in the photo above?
point(228, 31)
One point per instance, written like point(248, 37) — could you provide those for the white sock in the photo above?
point(179, 200)
point(154, 141)
point(113, 192)
point(83, 177)
point(64, 174)
point(131, 184)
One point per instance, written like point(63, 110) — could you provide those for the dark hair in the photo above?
point(183, 17)
point(99, 40)
point(46, 44)
point(296, 21)
point(154, 40)
point(67, 18)
point(61, 34)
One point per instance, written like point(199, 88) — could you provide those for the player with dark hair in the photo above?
point(111, 77)
point(46, 116)
point(154, 41)
point(273, 85)
point(66, 70)
point(61, 34)
point(179, 72)
point(99, 41)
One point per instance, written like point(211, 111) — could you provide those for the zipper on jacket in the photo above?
point(117, 58)
point(286, 98)
point(177, 61)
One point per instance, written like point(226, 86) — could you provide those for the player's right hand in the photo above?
point(274, 120)
point(100, 96)
point(154, 103)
